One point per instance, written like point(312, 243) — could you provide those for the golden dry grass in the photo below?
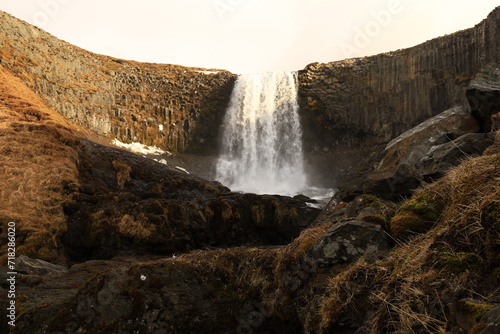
point(37, 146)
point(456, 258)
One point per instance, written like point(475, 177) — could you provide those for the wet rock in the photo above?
point(30, 266)
point(348, 241)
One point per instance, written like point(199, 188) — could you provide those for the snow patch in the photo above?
point(162, 161)
point(313, 205)
point(181, 169)
point(208, 72)
point(140, 148)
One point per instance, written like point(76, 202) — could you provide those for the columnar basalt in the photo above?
point(367, 101)
point(173, 107)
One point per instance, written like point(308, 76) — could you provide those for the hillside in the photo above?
point(173, 107)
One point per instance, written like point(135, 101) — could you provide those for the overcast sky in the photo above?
point(247, 36)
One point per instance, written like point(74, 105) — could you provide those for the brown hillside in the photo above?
point(170, 106)
point(38, 164)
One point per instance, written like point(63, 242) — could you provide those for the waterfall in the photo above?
point(262, 137)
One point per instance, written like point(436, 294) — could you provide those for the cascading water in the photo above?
point(262, 137)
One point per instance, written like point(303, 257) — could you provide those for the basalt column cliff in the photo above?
point(173, 107)
point(367, 101)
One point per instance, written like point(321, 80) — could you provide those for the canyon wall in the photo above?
point(173, 107)
point(371, 100)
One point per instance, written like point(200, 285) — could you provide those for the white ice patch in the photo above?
point(181, 169)
point(162, 161)
point(208, 72)
point(313, 205)
point(140, 148)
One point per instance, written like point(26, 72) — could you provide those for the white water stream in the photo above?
point(262, 138)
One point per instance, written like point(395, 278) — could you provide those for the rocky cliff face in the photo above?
point(173, 107)
point(373, 99)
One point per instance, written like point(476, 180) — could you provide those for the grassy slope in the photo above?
point(38, 164)
point(457, 257)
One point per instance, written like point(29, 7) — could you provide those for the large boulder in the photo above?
point(426, 152)
point(439, 159)
point(348, 241)
point(483, 95)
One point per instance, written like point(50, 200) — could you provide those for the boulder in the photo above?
point(442, 157)
point(469, 314)
point(426, 152)
point(436, 130)
point(348, 241)
point(483, 95)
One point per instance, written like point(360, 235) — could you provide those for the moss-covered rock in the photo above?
point(417, 215)
point(458, 262)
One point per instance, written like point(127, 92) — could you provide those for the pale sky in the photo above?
point(247, 36)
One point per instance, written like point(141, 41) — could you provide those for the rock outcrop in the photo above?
point(352, 108)
point(125, 203)
point(115, 219)
point(172, 107)
point(484, 97)
point(426, 152)
point(349, 240)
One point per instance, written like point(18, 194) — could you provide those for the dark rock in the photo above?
point(162, 296)
point(492, 321)
point(426, 152)
point(467, 313)
point(439, 159)
point(139, 206)
point(348, 241)
point(484, 97)
point(412, 146)
point(37, 267)
point(368, 101)
point(439, 129)
point(366, 212)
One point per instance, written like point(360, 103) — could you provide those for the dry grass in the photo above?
point(298, 250)
point(38, 166)
point(456, 258)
